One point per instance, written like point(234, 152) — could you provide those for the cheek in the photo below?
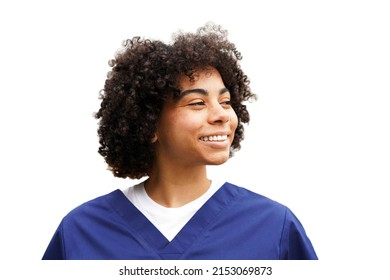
point(233, 120)
point(177, 126)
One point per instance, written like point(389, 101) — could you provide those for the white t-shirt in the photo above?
point(169, 221)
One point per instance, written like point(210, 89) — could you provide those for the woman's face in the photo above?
point(198, 127)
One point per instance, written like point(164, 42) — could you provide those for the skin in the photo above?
point(179, 174)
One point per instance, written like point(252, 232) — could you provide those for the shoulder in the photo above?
point(253, 198)
point(261, 203)
point(98, 206)
point(252, 202)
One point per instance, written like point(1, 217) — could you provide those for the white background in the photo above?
point(319, 135)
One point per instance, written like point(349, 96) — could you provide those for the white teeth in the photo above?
point(214, 138)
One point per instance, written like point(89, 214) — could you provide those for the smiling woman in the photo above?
point(168, 111)
point(202, 111)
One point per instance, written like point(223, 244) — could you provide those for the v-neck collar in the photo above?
point(144, 231)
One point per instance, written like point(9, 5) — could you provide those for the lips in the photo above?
point(214, 138)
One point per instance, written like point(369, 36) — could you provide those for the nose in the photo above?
point(218, 114)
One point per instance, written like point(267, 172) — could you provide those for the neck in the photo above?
point(176, 187)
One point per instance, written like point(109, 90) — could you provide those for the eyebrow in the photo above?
point(200, 91)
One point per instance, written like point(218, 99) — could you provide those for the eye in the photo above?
point(198, 103)
point(226, 103)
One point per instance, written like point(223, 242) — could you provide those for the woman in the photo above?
point(168, 111)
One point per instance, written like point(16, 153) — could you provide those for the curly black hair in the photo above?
point(143, 75)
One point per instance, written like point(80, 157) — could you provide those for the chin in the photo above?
point(218, 160)
point(216, 163)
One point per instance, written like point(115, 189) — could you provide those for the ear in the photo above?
point(154, 138)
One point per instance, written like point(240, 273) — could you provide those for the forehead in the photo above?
point(208, 76)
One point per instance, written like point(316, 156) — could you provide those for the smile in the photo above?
point(214, 138)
